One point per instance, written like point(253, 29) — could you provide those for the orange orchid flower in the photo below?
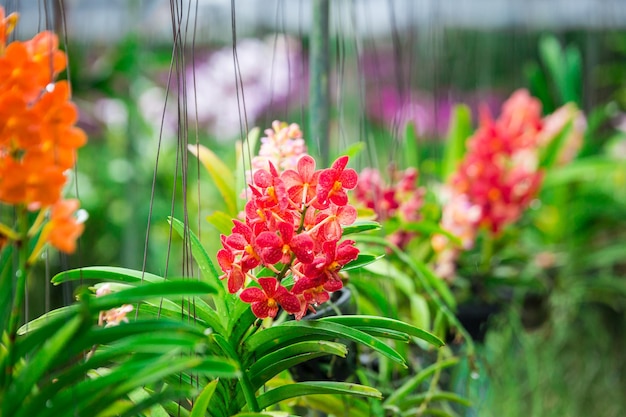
point(64, 229)
point(7, 24)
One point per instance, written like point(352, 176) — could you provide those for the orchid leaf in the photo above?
point(414, 382)
point(411, 145)
point(169, 289)
point(339, 405)
point(38, 365)
point(275, 362)
point(220, 173)
point(106, 273)
point(301, 389)
point(295, 331)
point(361, 261)
point(429, 228)
point(549, 155)
point(360, 226)
point(365, 322)
point(418, 399)
point(202, 401)
point(552, 57)
point(221, 221)
point(460, 130)
point(207, 267)
point(199, 253)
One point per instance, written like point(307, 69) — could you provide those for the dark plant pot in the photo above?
point(474, 317)
point(330, 368)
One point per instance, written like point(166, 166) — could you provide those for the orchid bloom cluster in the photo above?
point(401, 199)
point(38, 137)
point(500, 174)
point(293, 230)
point(283, 145)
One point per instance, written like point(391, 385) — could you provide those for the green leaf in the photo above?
point(151, 402)
point(588, 170)
point(383, 323)
point(385, 268)
point(44, 319)
point(433, 397)
point(220, 173)
point(539, 85)
point(573, 77)
point(549, 155)
point(361, 261)
point(460, 130)
point(199, 253)
point(353, 150)
point(552, 57)
point(40, 364)
point(195, 309)
point(339, 405)
point(106, 273)
point(360, 226)
point(270, 365)
point(296, 331)
point(143, 292)
point(414, 382)
point(420, 313)
point(301, 389)
point(221, 221)
point(202, 401)
point(429, 228)
point(410, 146)
point(6, 285)
point(208, 270)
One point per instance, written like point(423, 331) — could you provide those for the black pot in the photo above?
point(474, 317)
point(330, 368)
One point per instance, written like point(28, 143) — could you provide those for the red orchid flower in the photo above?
point(278, 248)
point(273, 190)
point(265, 300)
point(301, 184)
point(333, 259)
point(332, 219)
point(232, 270)
point(242, 239)
point(334, 182)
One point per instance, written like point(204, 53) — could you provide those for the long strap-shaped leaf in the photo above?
point(316, 387)
point(106, 273)
point(295, 331)
point(382, 323)
point(272, 364)
point(33, 370)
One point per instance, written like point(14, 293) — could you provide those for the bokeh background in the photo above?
point(151, 76)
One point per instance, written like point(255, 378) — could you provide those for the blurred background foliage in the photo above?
point(557, 351)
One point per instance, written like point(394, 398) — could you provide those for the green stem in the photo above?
point(21, 276)
point(486, 253)
point(432, 386)
point(246, 386)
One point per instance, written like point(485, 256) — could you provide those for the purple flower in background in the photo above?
point(430, 114)
point(270, 71)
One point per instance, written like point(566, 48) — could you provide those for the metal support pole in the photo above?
point(319, 70)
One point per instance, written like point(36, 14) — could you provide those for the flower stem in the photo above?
point(486, 253)
point(21, 276)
